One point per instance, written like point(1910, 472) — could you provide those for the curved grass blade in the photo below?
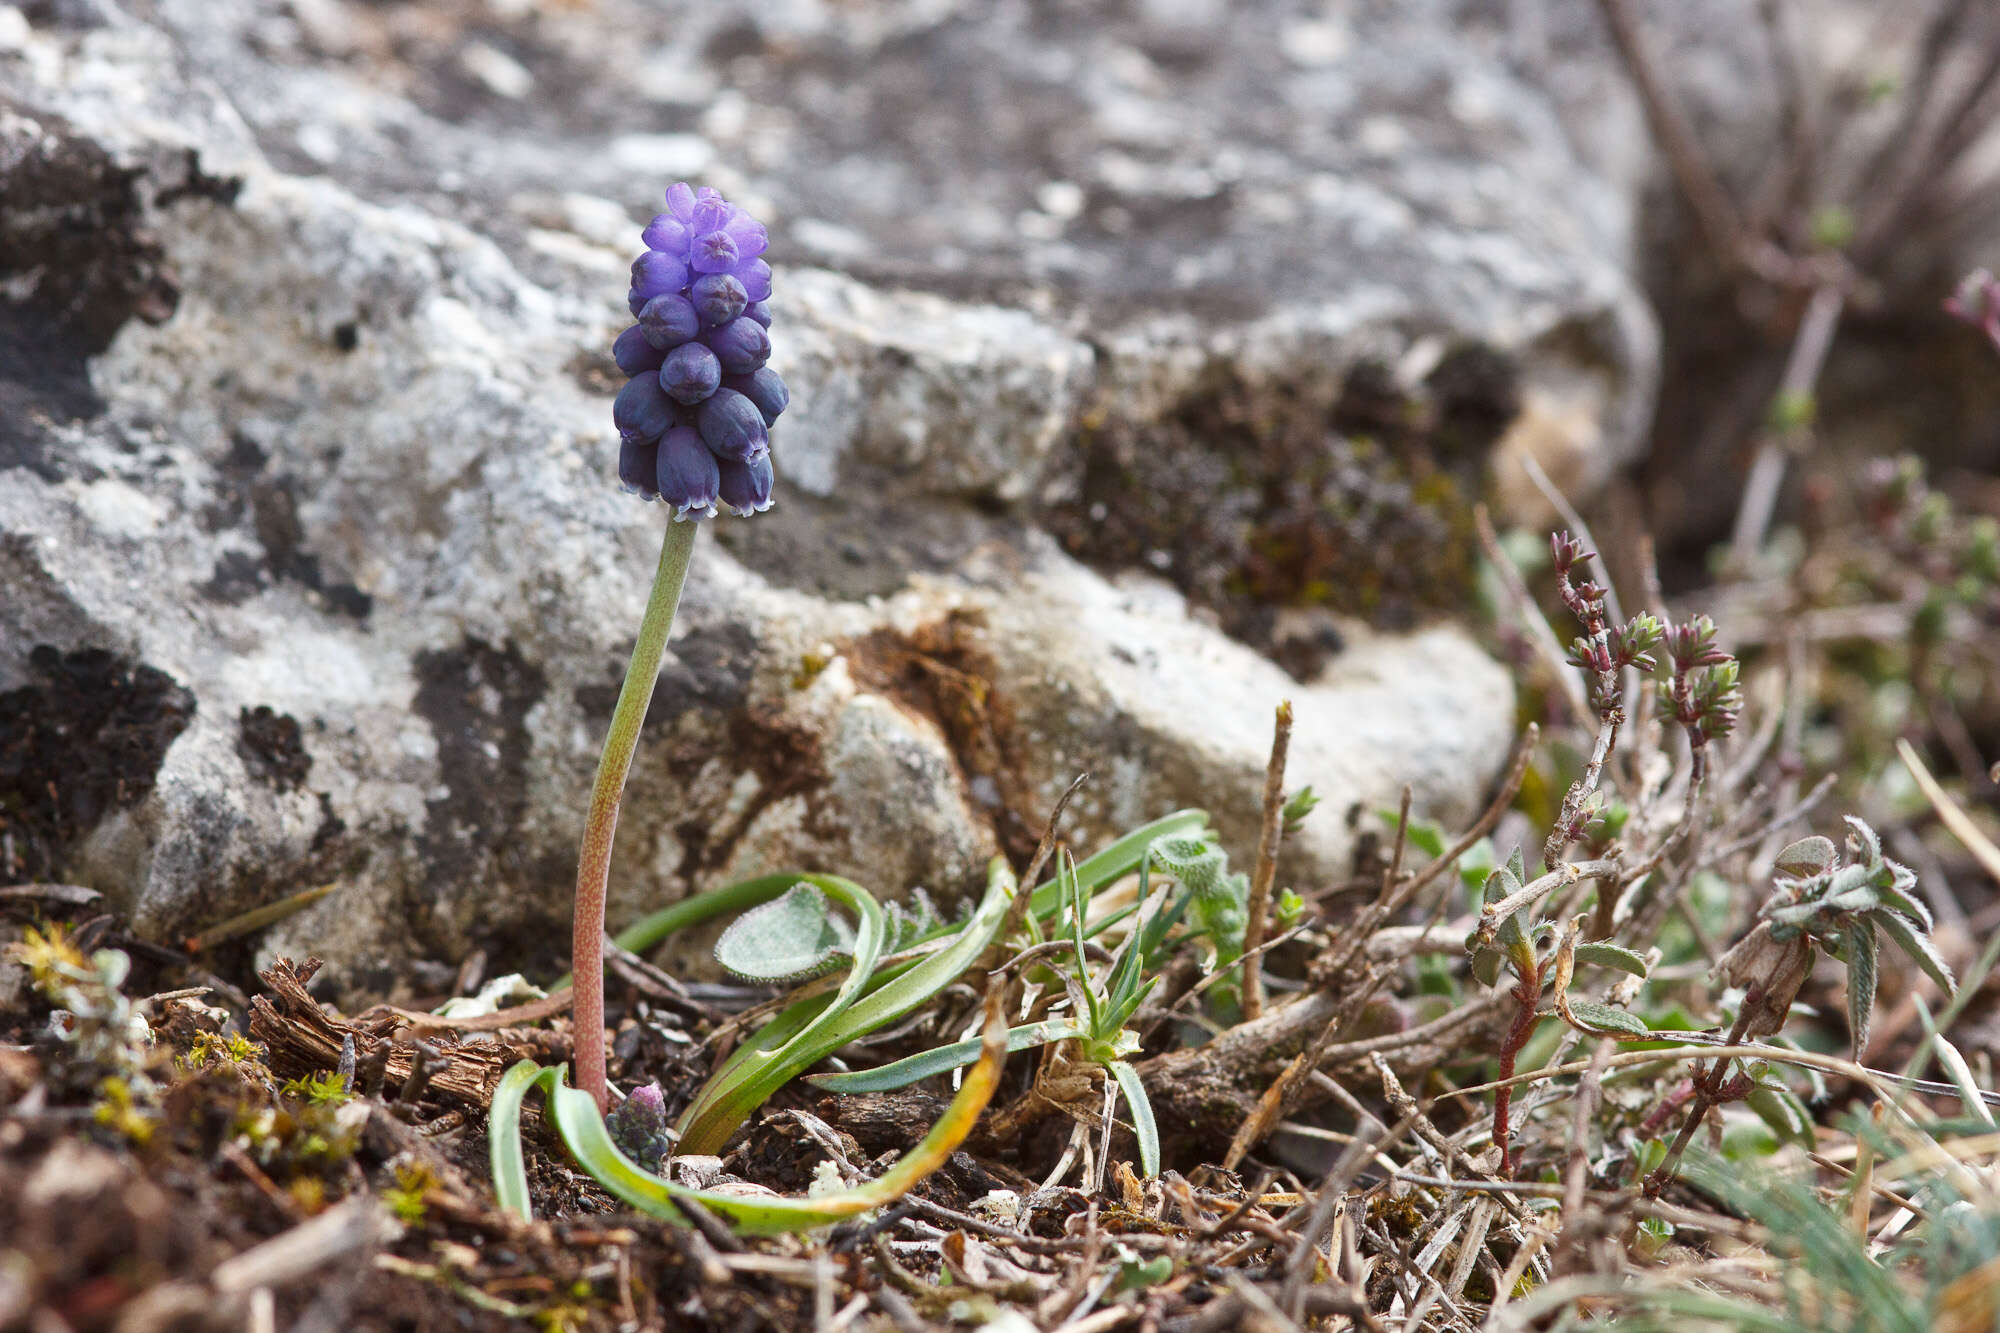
point(941, 1059)
point(575, 1116)
point(1143, 1126)
point(740, 1087)
point(503, 1136)
point(762, 1066)
point(1118, 860)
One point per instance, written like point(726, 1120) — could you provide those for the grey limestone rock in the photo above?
point(312, 564)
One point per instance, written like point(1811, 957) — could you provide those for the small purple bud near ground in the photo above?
point(639, 1126)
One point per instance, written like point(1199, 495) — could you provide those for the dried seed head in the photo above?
point(1770, 970)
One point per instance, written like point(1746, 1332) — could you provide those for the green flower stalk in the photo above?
point(693, 422)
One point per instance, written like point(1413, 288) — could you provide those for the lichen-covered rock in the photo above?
point(307, 508)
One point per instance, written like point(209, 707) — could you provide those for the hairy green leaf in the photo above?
point(1806, 857)
point(1603, 1018)
point(1502, 884)
point(1861, 979)
point(1897, 898)
point(1917, 944)
point(1863, 837)
point(1611, 955)
point(1486, 965)
point(789, 939)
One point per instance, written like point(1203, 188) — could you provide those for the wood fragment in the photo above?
point(1257, 925)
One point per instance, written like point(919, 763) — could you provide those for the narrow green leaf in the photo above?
point(1120, 859)
point(1861, 979)
point(1517, 867)
point(1917, 944)
point(503, 1140)
point(1079, 906)
point(1806, 857)
point(1604, 1019)
point(1423, 835)
point(575, 1116)
point(1955, 1066)
point(1120, 1012)
point(1779, 1108)
point(1143, 1127)
point(1486, 965)
point(792, 938)
point(941, 1059)
point(1611, 955)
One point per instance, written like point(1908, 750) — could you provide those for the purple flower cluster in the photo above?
point(695, 417)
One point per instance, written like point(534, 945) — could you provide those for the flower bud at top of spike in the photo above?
point(655, 273)
point(718, 297)
point(695, 417)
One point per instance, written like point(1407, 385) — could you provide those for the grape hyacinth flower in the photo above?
point(700, 294)
point(694, 427)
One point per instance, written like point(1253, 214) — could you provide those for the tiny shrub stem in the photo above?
point(593, 869)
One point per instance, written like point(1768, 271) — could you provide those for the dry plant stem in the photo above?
point(1025, 890)
point(1267, 863)
point(1589, 1091)
point(1543, 637)
point(1707, 1092)
point(1692, 173)
point(1767, 473)
point(1570, 872)
point(593, 869)
point(1580, 529)
point(1364, 928)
